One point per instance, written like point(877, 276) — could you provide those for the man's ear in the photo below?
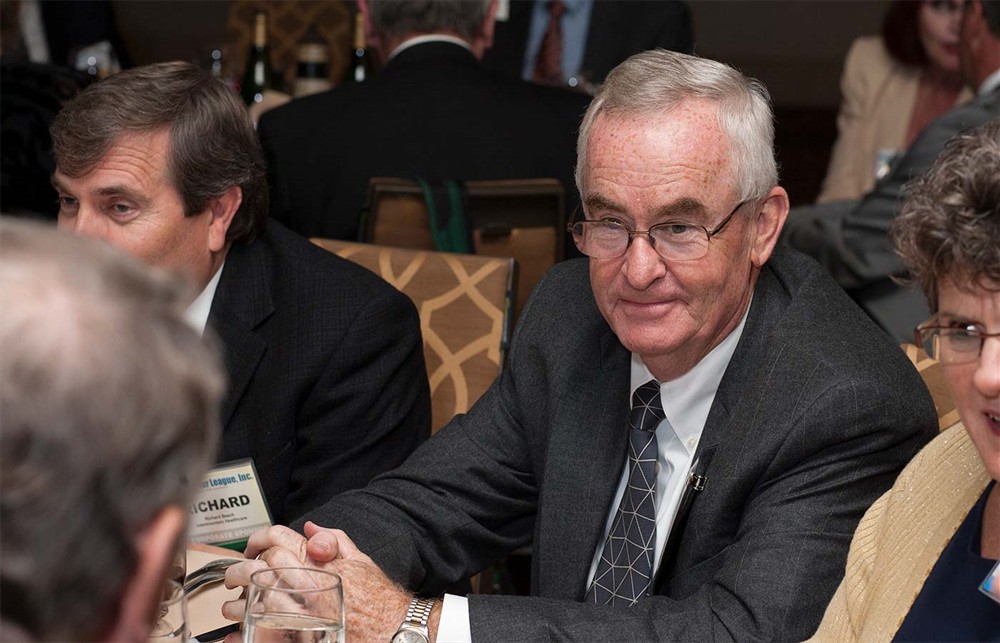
point(223, 208)
point(767, 225)
point(155, 545)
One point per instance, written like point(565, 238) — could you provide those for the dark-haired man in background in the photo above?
point(434, 112)
point(327, 384)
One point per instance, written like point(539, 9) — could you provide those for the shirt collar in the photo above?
point(197, 313)
point(420, 40)
point(990, 83)
point(688, 399)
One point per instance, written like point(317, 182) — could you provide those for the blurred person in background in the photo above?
point(850, 238)
point(325, 361)
point(433, 112)
point(576, 43)
point(893, 85)
point(924, 548)
point(109, 417)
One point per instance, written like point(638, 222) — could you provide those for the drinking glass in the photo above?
point(294, 604)
point(171, 618)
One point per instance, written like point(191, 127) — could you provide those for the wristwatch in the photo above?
point(413, 629)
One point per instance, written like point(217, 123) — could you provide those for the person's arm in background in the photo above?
point(841, 181)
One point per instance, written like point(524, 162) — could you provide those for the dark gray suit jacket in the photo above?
point(850, 238)
point(327, 383)
point(814, 417)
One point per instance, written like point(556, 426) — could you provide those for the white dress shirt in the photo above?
point(687, 401)
point(419, 40)
point(197, 313)
point(989, 83)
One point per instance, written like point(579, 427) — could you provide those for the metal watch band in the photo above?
point(419, 611)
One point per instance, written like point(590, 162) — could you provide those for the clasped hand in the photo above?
point(374, 605)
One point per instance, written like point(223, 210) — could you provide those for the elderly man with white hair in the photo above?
point(690, 426)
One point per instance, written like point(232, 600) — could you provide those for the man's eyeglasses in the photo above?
point(952, 344)
point(673, 240)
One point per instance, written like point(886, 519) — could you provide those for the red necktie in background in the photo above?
point(548, 64)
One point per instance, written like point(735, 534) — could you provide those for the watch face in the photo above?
point(409, 636)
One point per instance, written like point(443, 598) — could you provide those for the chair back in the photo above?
point(464, 306)
point(521, 218)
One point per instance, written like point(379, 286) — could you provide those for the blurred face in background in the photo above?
point(938, 22)
point(975, 386)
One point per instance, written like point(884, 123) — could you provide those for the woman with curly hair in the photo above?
point(924, 549)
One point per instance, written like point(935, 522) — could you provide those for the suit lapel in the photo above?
point(591, 453)
point(242, 302)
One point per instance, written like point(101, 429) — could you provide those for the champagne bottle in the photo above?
point(258, 75)
point(313, 71)
point(361, 61)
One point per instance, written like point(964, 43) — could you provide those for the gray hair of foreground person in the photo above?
point(949, 225)
point(108, 415)
point(655, 81)
point(397, 19)
point(213, 145)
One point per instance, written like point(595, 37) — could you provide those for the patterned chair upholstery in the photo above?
point(464, 306)
point(520, 218)
point(933, 375)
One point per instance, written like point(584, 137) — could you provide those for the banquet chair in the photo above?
point(932, 373)
point(521, 218)
point(464, 306)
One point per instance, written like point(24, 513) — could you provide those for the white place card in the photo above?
point(229, 506)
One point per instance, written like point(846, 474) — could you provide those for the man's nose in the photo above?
point(643, 265)
point(85, 222)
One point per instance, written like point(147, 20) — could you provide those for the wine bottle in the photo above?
point(361, 61)
point(258, 75)
point(313, 65)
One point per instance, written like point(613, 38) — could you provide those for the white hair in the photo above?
point(657, 80)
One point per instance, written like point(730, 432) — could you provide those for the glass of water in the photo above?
point(298, 604)
point(171, 619)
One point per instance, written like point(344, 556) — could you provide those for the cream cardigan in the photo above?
point(901, 537)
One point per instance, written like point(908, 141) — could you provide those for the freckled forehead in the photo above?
point(685, 141)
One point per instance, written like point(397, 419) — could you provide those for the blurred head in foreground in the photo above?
point(947, 235)
point(108, 421)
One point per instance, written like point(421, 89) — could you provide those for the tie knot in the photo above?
point(647, 410)
point(556, 9)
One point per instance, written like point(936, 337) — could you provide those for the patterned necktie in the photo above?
point(548, 64)
point(625, 570)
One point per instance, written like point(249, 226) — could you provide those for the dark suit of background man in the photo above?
point(433, 112)
point(790, 408)
point(850, 238)
point(596, 35)
point(327, 384)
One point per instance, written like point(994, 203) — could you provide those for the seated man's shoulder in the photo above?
point(822, 323)
point(321, 278)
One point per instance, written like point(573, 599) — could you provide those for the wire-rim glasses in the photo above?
point(952, 344)
point(674, 240)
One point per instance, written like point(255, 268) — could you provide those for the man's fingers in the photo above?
point(276, 536)
point(238, 575)
point(329, 544)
